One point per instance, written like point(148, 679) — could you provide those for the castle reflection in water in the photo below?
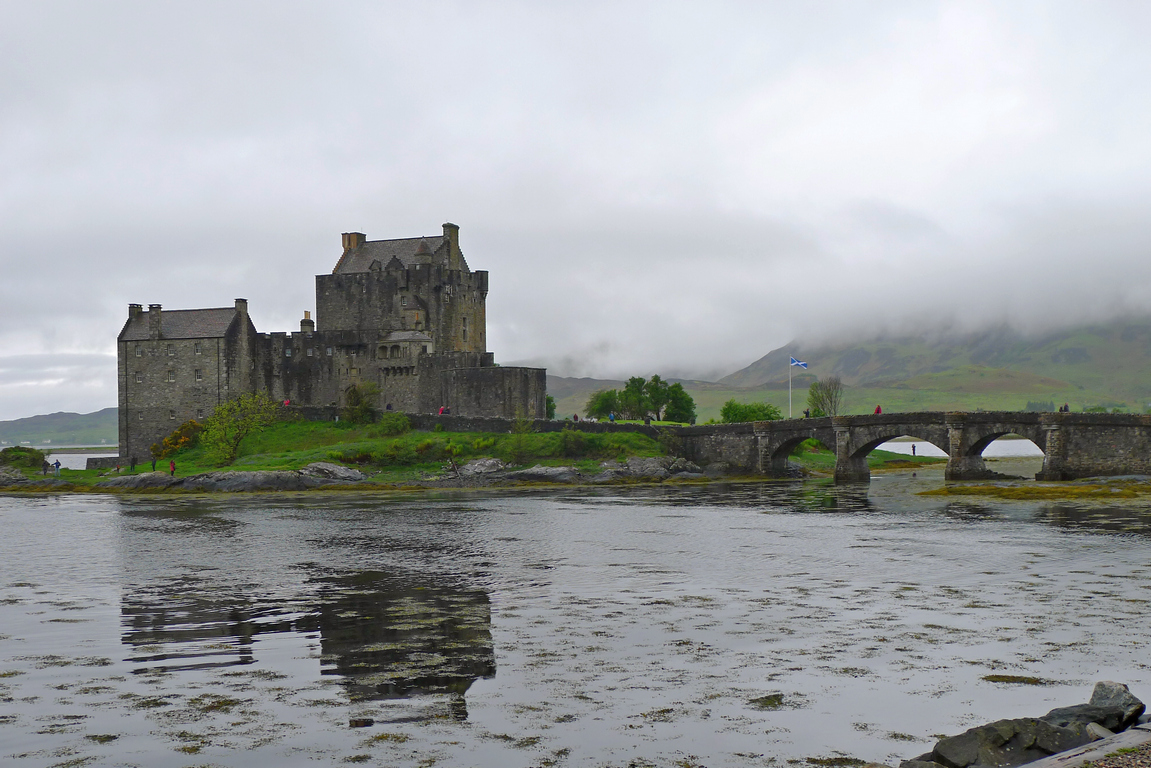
point(386, 637)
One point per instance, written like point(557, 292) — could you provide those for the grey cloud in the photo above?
point(672, 188)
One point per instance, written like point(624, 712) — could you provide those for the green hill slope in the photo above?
point(97, 428)
point(1095, 365)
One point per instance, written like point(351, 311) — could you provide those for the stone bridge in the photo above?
point(1074, 445)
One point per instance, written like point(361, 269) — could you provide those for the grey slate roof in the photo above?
point(182, 324)
point(406, 249)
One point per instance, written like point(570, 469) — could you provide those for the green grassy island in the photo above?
point(394, 456)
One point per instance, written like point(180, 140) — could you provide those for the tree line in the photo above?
point(639, 399)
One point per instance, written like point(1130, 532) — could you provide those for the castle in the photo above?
point(407, 315)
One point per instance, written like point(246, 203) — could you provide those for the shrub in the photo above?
point(390, 425)
point(361, 403)
point(572, 443)
point(483, 443)
point(396, 452)
point(733, 412)
point(187, 435)
point(22, 456)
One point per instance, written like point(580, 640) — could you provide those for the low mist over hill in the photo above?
point(1099, 364)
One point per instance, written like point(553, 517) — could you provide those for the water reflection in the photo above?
point(389, 639)
point(1105, 519)
point(385, 635)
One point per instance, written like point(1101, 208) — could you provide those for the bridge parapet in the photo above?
point(1074, 444)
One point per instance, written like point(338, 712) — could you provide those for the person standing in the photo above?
point(153, 463)
point(172, 467)
point(878, 410)
point(132, 464)
point(57, 466)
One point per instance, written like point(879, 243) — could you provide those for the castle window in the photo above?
point(171, 350)
point(139, 378)
point(288, 352)
point(172, 415)
point(171, 375)
point(403, 301)
point(199, 413)
point(395, 350)
point(199, 375)
point(139, 352)
point(309, 350)
point(329, 351)
point(141, 417)
point(425, 349)
point(465, 329)
point(196, 348)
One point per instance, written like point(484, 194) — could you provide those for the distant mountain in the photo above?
point(97, 428)
point(1103, 362)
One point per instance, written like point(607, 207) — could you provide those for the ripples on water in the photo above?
point(718, 625)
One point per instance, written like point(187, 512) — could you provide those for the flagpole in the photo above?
point(789, 367)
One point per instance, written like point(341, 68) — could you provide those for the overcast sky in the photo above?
point(654, 187)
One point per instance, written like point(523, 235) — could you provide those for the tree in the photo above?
point(656, 392)
point(733, 412)
point(825, 397)
point(680, 405)
point(549, 407)
point(361, 403)
point(234, 420)
point(601, 403)
point(633, 402)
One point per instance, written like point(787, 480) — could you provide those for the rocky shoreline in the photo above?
point(1112, 721)
point(478, 473)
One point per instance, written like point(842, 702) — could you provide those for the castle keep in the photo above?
point(407, 315)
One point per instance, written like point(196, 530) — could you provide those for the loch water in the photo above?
point(718, 625)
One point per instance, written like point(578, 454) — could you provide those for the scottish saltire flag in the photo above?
point(797, 362)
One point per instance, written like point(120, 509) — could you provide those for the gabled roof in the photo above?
point(182, 324)
point(409, 251)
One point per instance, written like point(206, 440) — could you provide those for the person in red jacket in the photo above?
point(878, 409)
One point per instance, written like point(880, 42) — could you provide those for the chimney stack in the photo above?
point(452, 235)
point(242, 306)
point(307, 325)
point(135, 310)
point(353, 240)
point(155, 325)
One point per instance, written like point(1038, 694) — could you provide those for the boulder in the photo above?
point(1111, 694)
point(541, 474)
point(11, 476)
point(142, 481)
point(717, 469)
point(1110, 718)
point(331, 471)
point(610, 475)
point(232, 482)
point(653, 468)
point(1008, 743)
point(919, 762)
point(481, 467)
point(1112, 706)
point(682, 465)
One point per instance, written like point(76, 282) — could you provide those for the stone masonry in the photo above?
point(407, 315)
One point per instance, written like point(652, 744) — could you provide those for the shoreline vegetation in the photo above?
point(414, 459)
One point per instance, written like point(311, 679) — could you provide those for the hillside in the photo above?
point(1094, 365)
point(97, 428)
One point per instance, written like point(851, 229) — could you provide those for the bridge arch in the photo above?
point(865, 450)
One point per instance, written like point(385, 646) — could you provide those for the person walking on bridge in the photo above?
point(878, 410)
